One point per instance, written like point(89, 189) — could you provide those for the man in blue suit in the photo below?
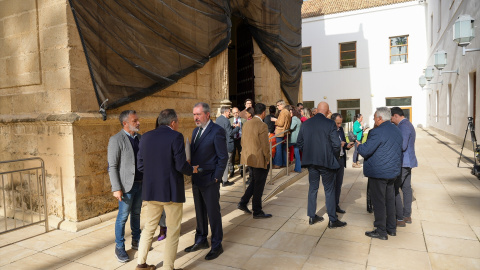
point(230, 131)
point(163, 162)
point(409, 161)
point(209, 151)
point(318, 139)
point(383, 158)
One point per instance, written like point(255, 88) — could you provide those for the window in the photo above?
point(399, 49)
point(348, 108)
point(439, 15)
point(449, 105)
point(437, 101)
point(307, 59)
point(308, 104)
point(405, 103)
point(431, 30)
point(348, 55)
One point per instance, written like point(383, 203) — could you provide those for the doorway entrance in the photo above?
point(240, 64)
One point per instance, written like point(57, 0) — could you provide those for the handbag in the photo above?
point(351, 136)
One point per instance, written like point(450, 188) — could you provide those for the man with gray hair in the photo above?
point(383, 160)
point(126, 180)
point(230, 131)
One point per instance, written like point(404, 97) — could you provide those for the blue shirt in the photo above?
point(134, 141)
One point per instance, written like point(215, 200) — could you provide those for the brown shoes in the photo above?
point(356, 165)
point(276, 167)
point(408, 220)
point(145, 267)
point(401, 223)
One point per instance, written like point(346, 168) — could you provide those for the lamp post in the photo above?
point(464, 32)
point(441, 62)
point(429, 73)
point(422, 81)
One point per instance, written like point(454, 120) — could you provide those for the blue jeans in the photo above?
point(298, 162)
point(280, 158)
point(131, 204)
point(328, 179)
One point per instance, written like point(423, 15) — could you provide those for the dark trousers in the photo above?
point(355, 154)
point(383, 200)
point(338, 184)
point(207, 209)
point(255, 189)
point(237, 146)
point(404, 182)
point(328, 180)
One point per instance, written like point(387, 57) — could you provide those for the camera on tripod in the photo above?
point(475, 147)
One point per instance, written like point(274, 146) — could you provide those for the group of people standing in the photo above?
point(151, 168)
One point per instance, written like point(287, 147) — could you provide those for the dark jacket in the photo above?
point(270, 123)
point(318, 139)
point(162, 160)
point(210, 153)
point(229, 131)
point(382, 152)
point(408, 146)
point(343, 159)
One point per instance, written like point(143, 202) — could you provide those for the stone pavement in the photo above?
point(444, 234)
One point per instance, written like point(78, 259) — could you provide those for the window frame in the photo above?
point(307, 55)
point(340, 54)
point(402, 45)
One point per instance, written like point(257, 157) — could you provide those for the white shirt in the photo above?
point(204, 128)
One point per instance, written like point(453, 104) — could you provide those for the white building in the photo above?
point(360, 55)
point(450, 103)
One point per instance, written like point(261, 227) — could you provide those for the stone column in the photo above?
point(219, 91)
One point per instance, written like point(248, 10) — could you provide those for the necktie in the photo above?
point(199, 133)
point(237, 135)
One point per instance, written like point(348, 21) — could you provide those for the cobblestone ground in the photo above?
point(444, 234)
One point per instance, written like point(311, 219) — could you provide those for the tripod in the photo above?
point(470, 127)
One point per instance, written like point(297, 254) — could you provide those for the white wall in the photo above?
point(374, 78)
point(443, 40)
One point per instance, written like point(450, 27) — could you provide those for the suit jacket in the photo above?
point(210, 153)
point(229, 131)
point(318, 139)
point(255, 144)
point(162, 160)
point(343, 159)
point(408, 147)
point(121, 162)
point(382, 152)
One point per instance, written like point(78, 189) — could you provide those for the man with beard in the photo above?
point(126, 180)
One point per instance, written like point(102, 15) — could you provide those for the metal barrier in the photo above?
point(23, 193)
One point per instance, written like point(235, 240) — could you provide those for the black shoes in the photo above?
point(214, 253)
point(198, 246)
point(340, 210)
point(244, 208)
point(375, 234)
point(231, 174)
point(392, 233)
point(315, 219)
point(226, 184)
point(261, 215)
point(336, 224)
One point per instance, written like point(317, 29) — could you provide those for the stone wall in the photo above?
point(48, 108)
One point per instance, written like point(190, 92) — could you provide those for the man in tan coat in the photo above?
point(256, 155)
point(282, 123)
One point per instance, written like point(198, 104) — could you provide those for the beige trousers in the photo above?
point(153, 212)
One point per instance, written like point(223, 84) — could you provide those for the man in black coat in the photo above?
point(230, 131)
point(318, 139)
point(343, 160)
point(163, 162)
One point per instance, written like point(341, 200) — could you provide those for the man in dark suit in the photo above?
point(383, 161)
point(343, 160)
point(409, 161)
point(209, 151)
point(230, 131)
point(163, 162)
point(236, 120)
point(318, 139)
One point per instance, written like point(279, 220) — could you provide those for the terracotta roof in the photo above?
point(314, 8)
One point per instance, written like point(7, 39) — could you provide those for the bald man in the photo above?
point(319, 141)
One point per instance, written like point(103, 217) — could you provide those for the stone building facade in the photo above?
point(48, 107)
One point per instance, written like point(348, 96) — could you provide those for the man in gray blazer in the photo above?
point(230, 131)
point(409, 161)
point(126, 180)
